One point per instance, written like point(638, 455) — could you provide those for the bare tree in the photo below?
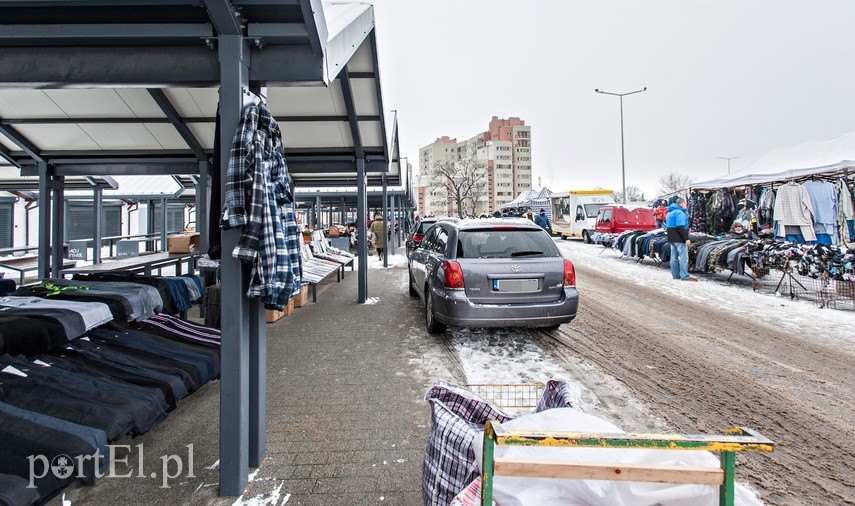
point(477, 187)
point(633, 194)
point(674, 183)
point(461, 181)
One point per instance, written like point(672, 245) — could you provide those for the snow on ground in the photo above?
point(738, 299)
point(395, 261)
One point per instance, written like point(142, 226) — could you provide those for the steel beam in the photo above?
point(153, 66)
point(22, 142)
point(362, 231)
point(163, 225)
point(226, 19)
point(378, 91)
point(44, 221)
point(136, 32)
point(97, 201)
point(385, 222)
point(58, 227)
point(234, 307)
point(277, 32)
point(7, 155)
point(203, 204)
point(311, 26)
point(116, 167)
point(172, 115)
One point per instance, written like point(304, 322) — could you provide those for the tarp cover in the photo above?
point(825, 156)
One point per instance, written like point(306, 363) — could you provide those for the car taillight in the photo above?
point(453, 275)
point(569, 273)
point(418, 238)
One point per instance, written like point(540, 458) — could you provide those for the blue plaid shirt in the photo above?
point(258, 199)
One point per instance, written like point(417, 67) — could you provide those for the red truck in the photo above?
point(616, 218)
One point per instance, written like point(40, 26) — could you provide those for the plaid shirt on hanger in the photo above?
point(258, 199)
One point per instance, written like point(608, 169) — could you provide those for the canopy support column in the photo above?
point(163, 222)
point(58, 190)
point(97, 203)
point(385, 222)
point(394, 238)
point(203, 203)
point(362, 229)
point(44, 220)
point(234, 306)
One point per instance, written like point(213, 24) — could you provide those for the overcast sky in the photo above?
point(724, 78)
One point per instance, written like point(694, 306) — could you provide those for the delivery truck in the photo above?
point(574, 213)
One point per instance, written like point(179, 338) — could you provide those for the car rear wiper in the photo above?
point(525, 253)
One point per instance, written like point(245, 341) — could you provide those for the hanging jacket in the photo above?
point(259, 202)
point(677, 224)
point(793, 207)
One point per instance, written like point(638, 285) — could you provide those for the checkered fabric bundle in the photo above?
point(470, 496)
point(458, 417)
point(558, 394)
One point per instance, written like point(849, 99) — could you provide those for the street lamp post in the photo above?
point(728, 161)
point(622, 158)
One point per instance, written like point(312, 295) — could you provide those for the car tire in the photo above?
point(433, 326)
point(551, 327)
point(413, 292)
point(563, 237)
point(586, 237)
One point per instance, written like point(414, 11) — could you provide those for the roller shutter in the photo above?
point(6, 226)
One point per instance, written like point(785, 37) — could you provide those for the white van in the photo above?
point(574, 213)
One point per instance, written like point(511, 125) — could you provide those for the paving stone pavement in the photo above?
point(346, 421)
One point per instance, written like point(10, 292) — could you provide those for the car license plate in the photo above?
point(515, 285)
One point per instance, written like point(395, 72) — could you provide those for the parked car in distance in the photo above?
point(418, 232)
point(616, 218)
point(492, 273)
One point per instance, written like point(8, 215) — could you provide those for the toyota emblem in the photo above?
point(516, 267)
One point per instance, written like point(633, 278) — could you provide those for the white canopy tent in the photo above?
point(829, 157)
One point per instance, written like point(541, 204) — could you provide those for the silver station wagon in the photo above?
point(492, 273)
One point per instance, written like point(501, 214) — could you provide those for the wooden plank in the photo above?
point(134, 263)
point(602, 471)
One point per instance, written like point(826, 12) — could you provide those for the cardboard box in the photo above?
point(272, 315)
point(303, 298)
point(184, 243)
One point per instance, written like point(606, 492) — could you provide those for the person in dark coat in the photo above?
point(677, 227)
point(542, 220)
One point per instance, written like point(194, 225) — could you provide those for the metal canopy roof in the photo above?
point(130, 86)
point(11, 180)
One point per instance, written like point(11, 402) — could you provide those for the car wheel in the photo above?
point(563, 237)
point(413, 292)
point(586, 237)
point(551, 327)
point(433, 326)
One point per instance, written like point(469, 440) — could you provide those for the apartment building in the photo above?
point(502, 153)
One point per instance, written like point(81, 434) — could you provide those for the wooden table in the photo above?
point(144, 263)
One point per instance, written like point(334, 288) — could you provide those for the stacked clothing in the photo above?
point(176, 293)
point(73, 380)
point(817, 261)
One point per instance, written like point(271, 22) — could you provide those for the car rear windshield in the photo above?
point(505, 244)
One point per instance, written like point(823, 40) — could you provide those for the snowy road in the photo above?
point(652, 354)
point(706, 356)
